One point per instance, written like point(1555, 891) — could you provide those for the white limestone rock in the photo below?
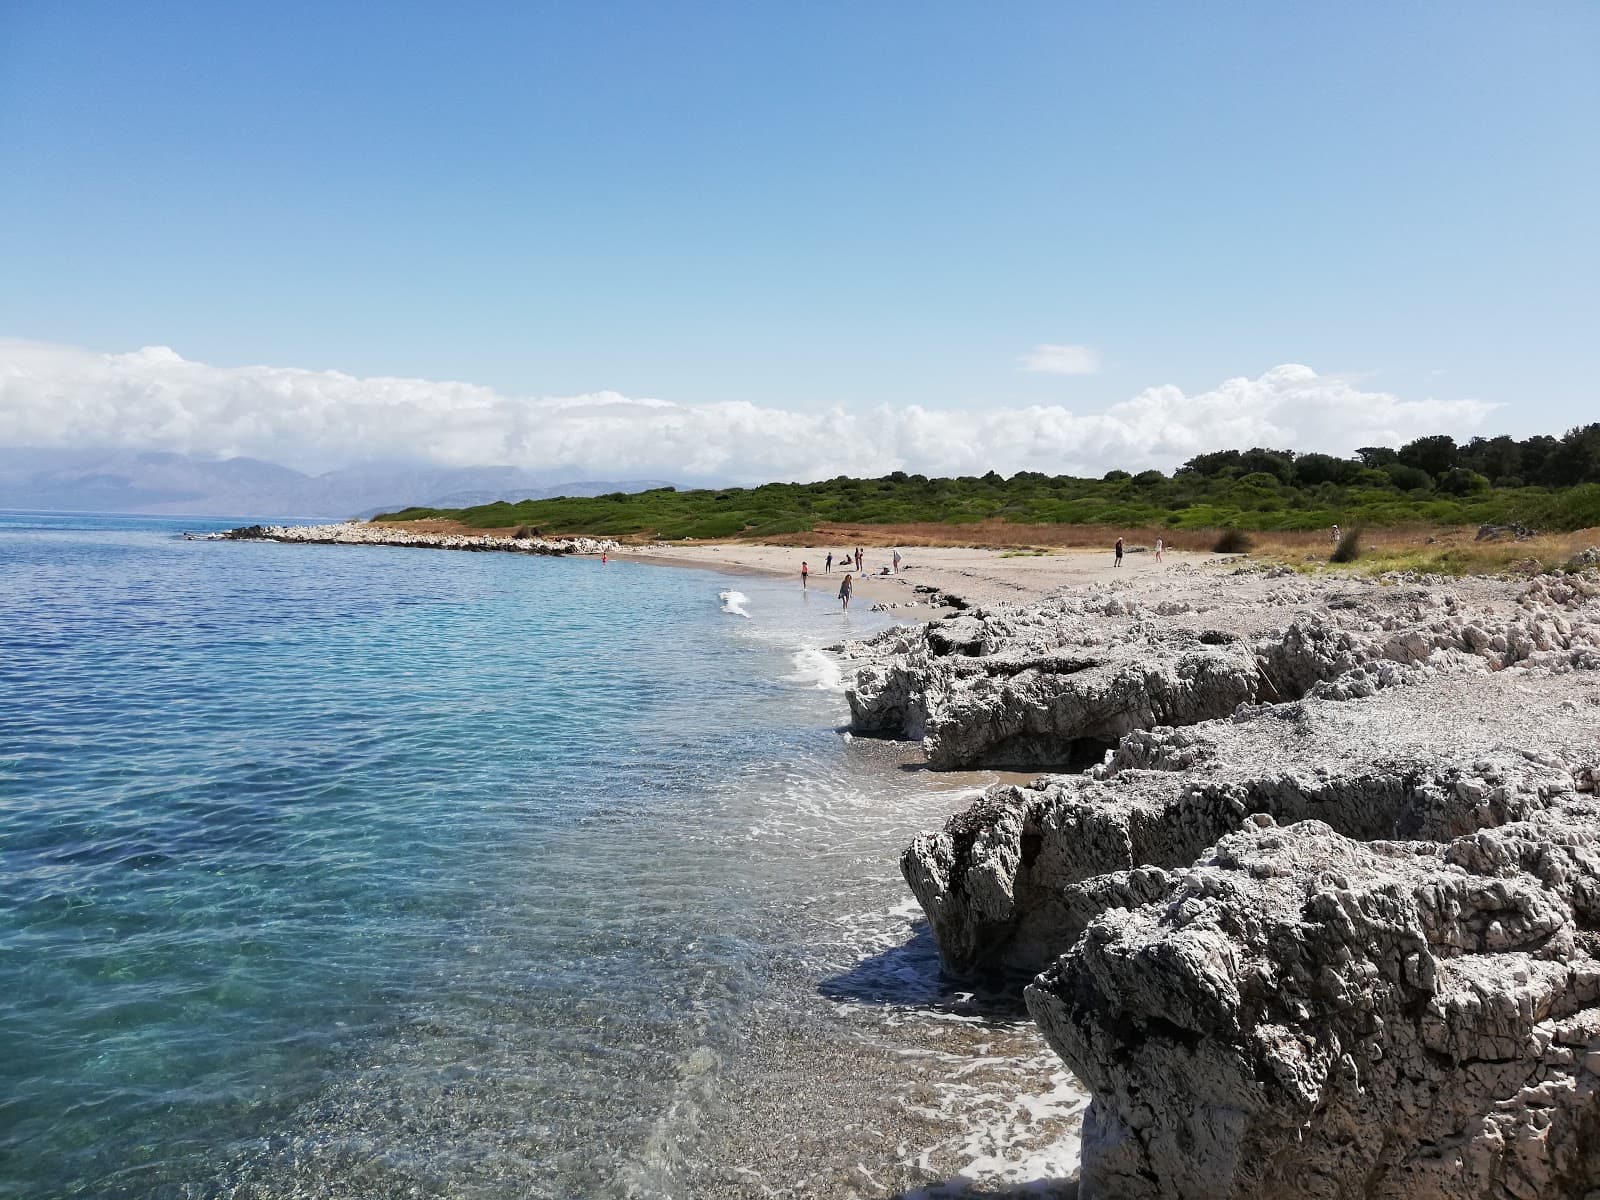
point(1304, 1014)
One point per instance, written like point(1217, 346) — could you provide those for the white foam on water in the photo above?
point(1000, 1110)
point(734, 602)
point(1017, 1121)
point(817, 669)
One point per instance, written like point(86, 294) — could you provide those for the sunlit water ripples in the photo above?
point(365, 872)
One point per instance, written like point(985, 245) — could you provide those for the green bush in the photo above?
point(1205, 516)
point(1458, 481)
point(1409, 479)
point(1578, 508)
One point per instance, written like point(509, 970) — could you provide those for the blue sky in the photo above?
point(819, 206)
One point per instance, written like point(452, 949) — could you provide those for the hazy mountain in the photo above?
point(178, 484)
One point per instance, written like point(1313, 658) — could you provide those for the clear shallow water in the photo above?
point(339, 871)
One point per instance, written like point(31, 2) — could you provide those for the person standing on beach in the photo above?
point(845, 588)
point(1118, 563)
point(897, 560)
point(827, 564)
point(805, 571)
point(858, 559)
point(1333, 535)
point(1158, 549)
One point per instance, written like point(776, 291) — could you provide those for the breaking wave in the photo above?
point(816, 669)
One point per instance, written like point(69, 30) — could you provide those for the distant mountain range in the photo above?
point(116, 481)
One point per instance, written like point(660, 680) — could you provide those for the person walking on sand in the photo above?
point(897, 560)
point(1333, 535)
point(858, 559)
point(1118, 563)
point(1159, 544)
point(845, 588)
point(805, 571)
point(827, 564)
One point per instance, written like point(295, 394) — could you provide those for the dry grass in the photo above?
point(1443, 549)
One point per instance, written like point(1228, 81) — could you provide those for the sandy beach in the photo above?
point(976, 574)
point(928, 578)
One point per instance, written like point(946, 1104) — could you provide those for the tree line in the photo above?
point(1436, 462)
point(1546, 482)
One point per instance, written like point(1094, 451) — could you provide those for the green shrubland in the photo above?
point(1549, 483)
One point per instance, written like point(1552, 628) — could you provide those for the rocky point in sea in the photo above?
point(361, 533)
point(1312, 903)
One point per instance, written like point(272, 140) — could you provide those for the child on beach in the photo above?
point(897, 560)
point(804, 572)
point(1158, 549)
point(845, 588)
point(1118, 563)
point(827, 564)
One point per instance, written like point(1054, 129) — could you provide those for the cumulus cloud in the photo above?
point(59, 396)
point(1049, 359)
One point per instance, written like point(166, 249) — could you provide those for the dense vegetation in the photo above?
point(1546, 482)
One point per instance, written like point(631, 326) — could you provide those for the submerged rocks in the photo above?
point(356, 533)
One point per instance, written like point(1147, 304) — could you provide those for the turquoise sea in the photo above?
point(338, 871)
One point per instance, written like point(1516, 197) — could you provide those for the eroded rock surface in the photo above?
point(1057, 684)
point(1304, 1014)
point(1013, 881)
point(1341, 942)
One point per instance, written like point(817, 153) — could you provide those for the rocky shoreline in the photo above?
point(1306, 892)
point(1311, 896)
point(360, 533)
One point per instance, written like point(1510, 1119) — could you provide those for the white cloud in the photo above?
point(52, 396)
point(1061, 360)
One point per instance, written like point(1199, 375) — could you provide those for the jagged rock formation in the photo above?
point(356, 533)
point(1343, 942)
point(1012, 881)
point(1057, 685)
point(1303, 1014)
point(1049, 706)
